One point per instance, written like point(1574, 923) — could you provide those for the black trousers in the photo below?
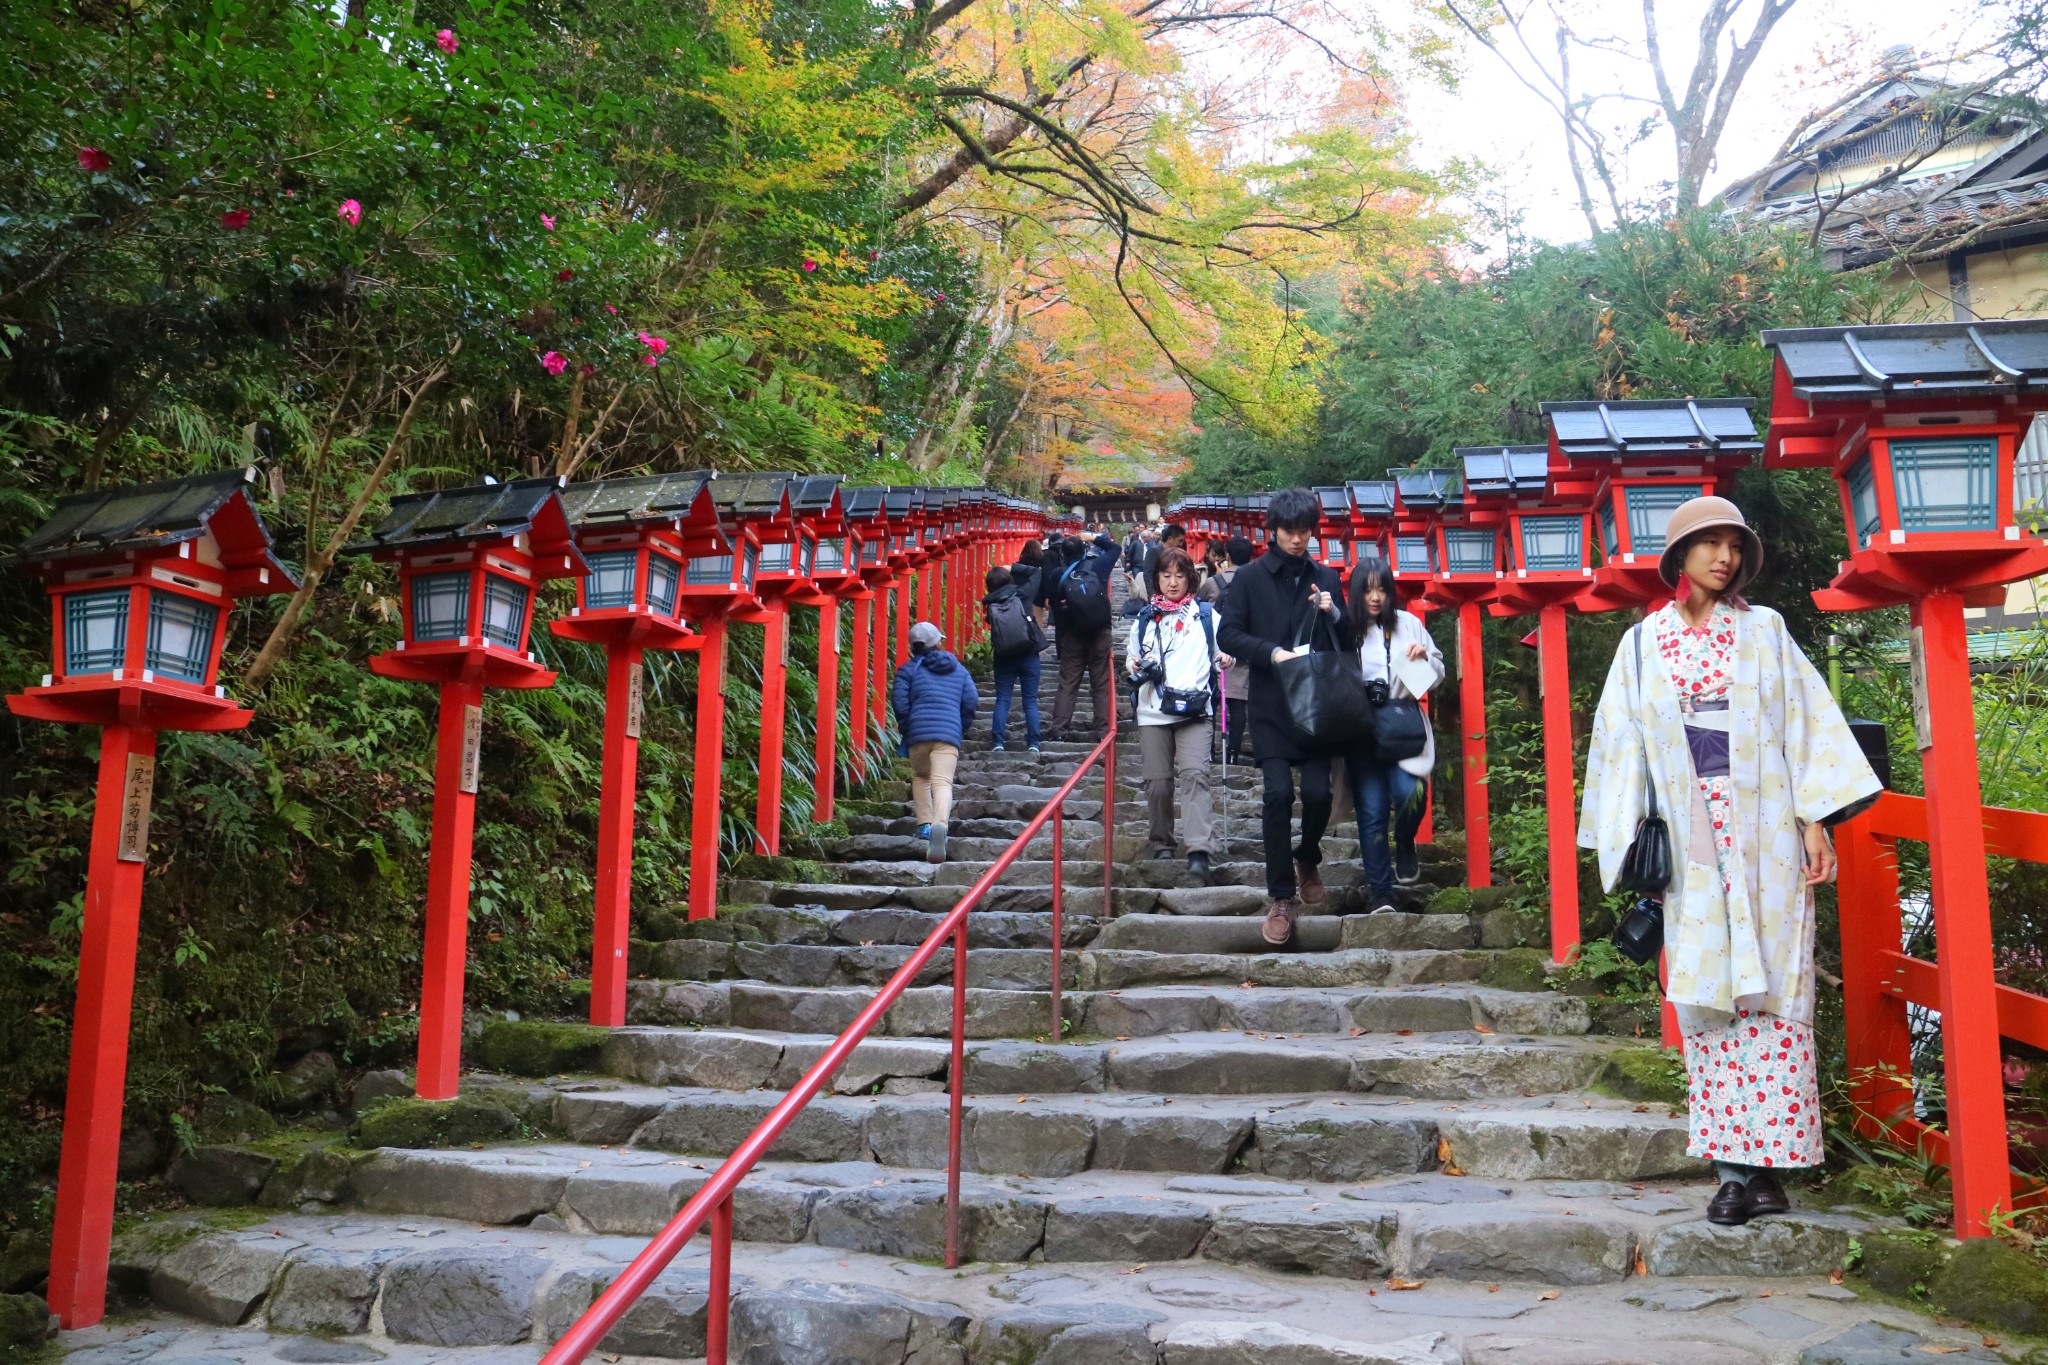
point(1277, 818)
point(1240, 721)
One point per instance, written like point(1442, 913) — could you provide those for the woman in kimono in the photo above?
point(1711, 705)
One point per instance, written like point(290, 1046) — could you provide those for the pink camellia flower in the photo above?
point(587, 370)
point(613, 311)
point(809, 265)
point(547, 220)
point(942, 298)
point(93, 159)
point(554, 362)
point(234, 220)
point(658, 345)
point(874, 255)
point(651, 358)
point(350, 212)
point(445, 40)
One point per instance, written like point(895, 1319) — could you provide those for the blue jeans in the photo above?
point(1382, 791)
point(1024, 672)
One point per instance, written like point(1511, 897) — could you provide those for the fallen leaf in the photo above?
point(1642, 1267)
point(1357, 1032)
point(1641, 1109)
point(1022, 1098)
point(1443, 1151)
point(1991, 1341)
point(1764, 1293)
point(1493, 1289)
point(1546, 1296)
point(1944, 1350)
point(1835, 1276)
point(1404, 1033)
point(1481, 1028)
point(1398, 1284)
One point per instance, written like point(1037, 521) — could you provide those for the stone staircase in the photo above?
point(1392, 1141)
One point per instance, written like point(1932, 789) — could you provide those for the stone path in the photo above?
point(1392, 1142)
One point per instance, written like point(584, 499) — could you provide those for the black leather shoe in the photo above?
point(1730, 1205)
point(1766, 1195)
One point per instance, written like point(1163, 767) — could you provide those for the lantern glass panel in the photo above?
point(751, 563)
point(807, 560)
point(1553, 543)
point(1412, 555)
point(440, 605)
point(1946, 485)
point(95, 631)
point(505, 611)
point(775, 558)
point(1649, 514)
point(871, 552)
point(610, 582)
point(831, 556)
point(1315, 547)
point(709, 571)
point(1470, 551)
point(662, 573)
point(1610, 536)
point(1863, 501)
point(180, 636)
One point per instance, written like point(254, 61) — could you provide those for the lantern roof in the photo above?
point(1933, 359)
point(1652, 426)
point(1504, 469)
point(640, 501)
point(1419, 487)
point(816, 499)
point(487, 511)
point(1372, 497)
point(756, 496)
point(1336, 502)
point(148, 516)
point(865, 503)
point(903, 499)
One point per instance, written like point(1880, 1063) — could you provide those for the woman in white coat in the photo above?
point(1390, 642)
point(1712, 706)
point(1173, 658)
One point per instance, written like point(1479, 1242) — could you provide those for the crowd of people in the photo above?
point(1200, 689)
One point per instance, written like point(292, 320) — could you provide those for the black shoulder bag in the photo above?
point(1398, 729)
point(1325, 691)
point(1183, 703)
point(1646, 867)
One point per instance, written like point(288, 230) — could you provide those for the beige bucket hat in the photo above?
point(1703, 514)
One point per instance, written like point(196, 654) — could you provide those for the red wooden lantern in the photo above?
point(1331, 545)
point(1920, 425)
point(1372, 518)
point(866, 587)
point(636, 535)
point(141, 579)
point(470, 561)
point(1419, 497)
point(1645, 458)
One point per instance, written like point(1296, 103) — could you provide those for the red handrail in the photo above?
point(713, 1201)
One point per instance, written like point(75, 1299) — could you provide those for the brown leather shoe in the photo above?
point(1766, 1195)
point(1730, 1205)
point(1310, 880)
point(1279, 925)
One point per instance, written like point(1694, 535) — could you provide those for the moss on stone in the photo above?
point(1994, 1284)
point(1516, 969)
point(762, 867)
point(1451, 900)
point(1625, 1018)
point(227, 1118)
point(1512, 926)
point(436, 1123)
point(24, 1322)
point(1654, 1074)
point(528, 1047)
point(1902, 1262)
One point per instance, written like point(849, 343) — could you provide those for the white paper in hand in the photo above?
point(1415, 674)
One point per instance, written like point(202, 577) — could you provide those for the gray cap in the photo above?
point(926, 634)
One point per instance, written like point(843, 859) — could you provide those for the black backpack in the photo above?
point(1086, 597)
point(1011, 630)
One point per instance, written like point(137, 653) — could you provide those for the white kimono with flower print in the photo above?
point(1792, 762)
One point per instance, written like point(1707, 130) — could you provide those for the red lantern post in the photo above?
point(140, 579)
point(470, 561)
point(1920, 426)
point(636, 535)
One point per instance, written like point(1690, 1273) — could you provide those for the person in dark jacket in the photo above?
point(1018, 671)
point(1282, 604)
point(1081, 651)
point(1027, 575)
point(935, 699)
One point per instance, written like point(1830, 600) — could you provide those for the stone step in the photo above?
point(1082, 844)
point(1078, 898)
point(415, 1290)
point(1445, 1065)
point(1015, 1011)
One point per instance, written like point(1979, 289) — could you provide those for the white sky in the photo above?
point(1817, 49)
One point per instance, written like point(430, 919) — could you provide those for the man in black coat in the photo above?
point(1276, 602)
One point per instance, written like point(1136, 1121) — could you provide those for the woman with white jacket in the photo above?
point(1388, 638)
point(1173, 658)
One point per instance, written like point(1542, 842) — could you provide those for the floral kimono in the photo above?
point(1744, 748)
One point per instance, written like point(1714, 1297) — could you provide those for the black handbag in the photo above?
point(1185, 703)
point(1325, 691)
point(1398, 728)
point(1646, 867)
point(1640, 935)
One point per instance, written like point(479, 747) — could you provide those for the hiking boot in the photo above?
point(935, 850)
point(1033, 748)
point(1766, 1195)
point(1407, 867)
point(1729, 1208)
point(1198, 867)
point(1279, 925)
point(1310, 880)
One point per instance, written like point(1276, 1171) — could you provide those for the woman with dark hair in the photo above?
point(1711, 706)
point(1173, 659)
point(1027, 574)
point(1390, 642)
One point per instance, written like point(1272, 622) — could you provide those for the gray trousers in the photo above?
point(1177, 772)
point(1081, 651)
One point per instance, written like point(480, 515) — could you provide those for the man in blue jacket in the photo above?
point(935, 699)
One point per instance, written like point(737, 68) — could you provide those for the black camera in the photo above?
point(1377, 691)
point(1151, 671)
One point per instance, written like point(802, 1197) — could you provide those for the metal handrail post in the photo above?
point(1059, 835)
point(956, 1107)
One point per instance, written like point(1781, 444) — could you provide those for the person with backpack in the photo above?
point(1016, 642)
point(1027, 575)
point(1081, 620)
point(935, 699)
point(1280, 606)
point(1173, 659)
point(1237, 677)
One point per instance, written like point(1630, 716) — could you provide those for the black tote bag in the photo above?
point(1325, 691)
